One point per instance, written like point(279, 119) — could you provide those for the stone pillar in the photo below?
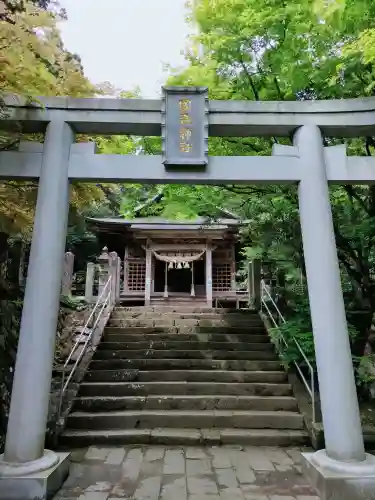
point(36, 346)
point(148, 276)
point(209, 273)
point(192, 289)
point(165, 280)
point(126, 270)
point(118, 280)
point(339, 403)
point(89, 285)
point(233, 269)
point(68, 269)
point(250, 283)
point(113, 272)
point(153, 264)
point(104, 262)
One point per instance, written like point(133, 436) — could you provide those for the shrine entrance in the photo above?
point(180, 281)
point(179, 270)
point(184, 118)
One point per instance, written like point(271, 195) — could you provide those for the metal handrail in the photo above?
point(103, 302)
point(310, 388)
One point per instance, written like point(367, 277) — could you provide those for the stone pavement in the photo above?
point(186, 473)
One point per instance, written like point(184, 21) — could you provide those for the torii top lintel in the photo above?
point(143, 117)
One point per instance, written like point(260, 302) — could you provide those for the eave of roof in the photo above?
point(158, 223)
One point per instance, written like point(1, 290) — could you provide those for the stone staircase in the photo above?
point(183, 375)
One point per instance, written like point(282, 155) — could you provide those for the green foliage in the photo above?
point(34, 63)
point(364, 371)
point(296, 331)
point(178, 202)
point(277, 50)
point(288, 337)
point(73, 303)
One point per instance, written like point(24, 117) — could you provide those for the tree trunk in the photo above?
point(3, 264)
point(362, 321)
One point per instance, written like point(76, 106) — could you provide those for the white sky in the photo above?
point(126, 42)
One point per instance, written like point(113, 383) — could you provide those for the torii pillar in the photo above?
point(27, 470)
point(343, 470)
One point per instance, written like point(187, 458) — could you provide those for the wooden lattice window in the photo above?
point(222, 254)
point(137, 276)
point(221, 278)
point(136, 253)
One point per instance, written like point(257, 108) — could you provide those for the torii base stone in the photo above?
point(336, 480)
point(19, 482)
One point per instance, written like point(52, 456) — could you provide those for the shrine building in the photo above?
point(172, 262)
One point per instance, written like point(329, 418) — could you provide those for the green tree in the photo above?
point(277, 50)
point(33, 63)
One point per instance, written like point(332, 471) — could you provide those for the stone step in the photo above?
point(185, 345)
point(165, 322)
point(183, 330)
point(185, 388)
point(189, 309)
point(180, 301)
point(183, 402)
point(179, 437)
point(184, 364)
point(186, 315)
point(185, 376)
point(229, 318)
point(185, 337)
point(186, 419)
point(212, 309)
point(185, 354)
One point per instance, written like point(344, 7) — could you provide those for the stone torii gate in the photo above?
point(184, 118)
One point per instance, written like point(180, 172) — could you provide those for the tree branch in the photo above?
point(241, 142)
point(278, 89)
point(351, 192)
point(252, 84)
point(248, 190)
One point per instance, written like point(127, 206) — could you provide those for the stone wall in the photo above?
point(10, 314)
